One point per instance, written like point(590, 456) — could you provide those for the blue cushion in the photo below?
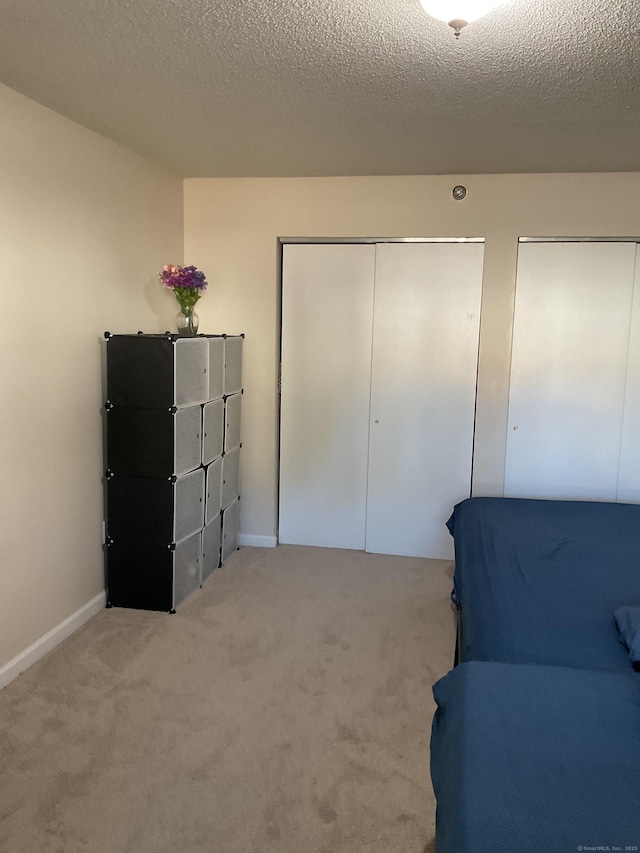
point(538, 581)
point(628, 622)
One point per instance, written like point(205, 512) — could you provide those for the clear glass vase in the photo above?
point(187, 322)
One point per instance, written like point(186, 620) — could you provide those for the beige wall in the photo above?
point(232, 228)
point(84, 226)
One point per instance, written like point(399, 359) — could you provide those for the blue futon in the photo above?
point(535, 744)
point(538, 581)
point(536, 759)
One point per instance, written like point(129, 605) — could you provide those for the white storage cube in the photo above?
point(214, 490)
point(187, 574)
point(233, 409)
point(216, 367)
point(233, 364)
point(187, 438)
point(191, 371)
point(211, 547)
point(230, 523)
point(189, 504)
point(230, 476)
point(213, 431)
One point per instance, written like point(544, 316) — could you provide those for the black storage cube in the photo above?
point(150, 577)
point(140, 510)
point(140, 575)
point(155, 511)
point(154, 442)
point(173, 434)
point(157, 371)
point(140, 371)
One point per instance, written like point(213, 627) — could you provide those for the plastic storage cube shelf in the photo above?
point(173, 464)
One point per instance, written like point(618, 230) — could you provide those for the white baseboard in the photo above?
point(51, 639)
point(249, 541)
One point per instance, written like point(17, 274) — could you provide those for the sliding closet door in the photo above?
point(569, 369)
point(327, 321)
point(629, 473)
point(423, 390)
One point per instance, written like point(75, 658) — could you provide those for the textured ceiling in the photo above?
point(330, 87)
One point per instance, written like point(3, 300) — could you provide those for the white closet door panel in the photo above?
point(327, 321)
point(425, 352)
point(629, 475)
point(570, 344)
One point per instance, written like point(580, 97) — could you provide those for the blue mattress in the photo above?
point(526, 759)
point(538, 581)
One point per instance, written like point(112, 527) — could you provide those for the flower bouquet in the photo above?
point(187, 284)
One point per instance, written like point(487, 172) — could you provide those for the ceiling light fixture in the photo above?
point(458, 13)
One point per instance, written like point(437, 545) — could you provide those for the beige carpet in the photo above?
point(286, 708)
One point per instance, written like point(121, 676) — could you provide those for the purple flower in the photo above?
point(187, 283)
point(174, 277)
